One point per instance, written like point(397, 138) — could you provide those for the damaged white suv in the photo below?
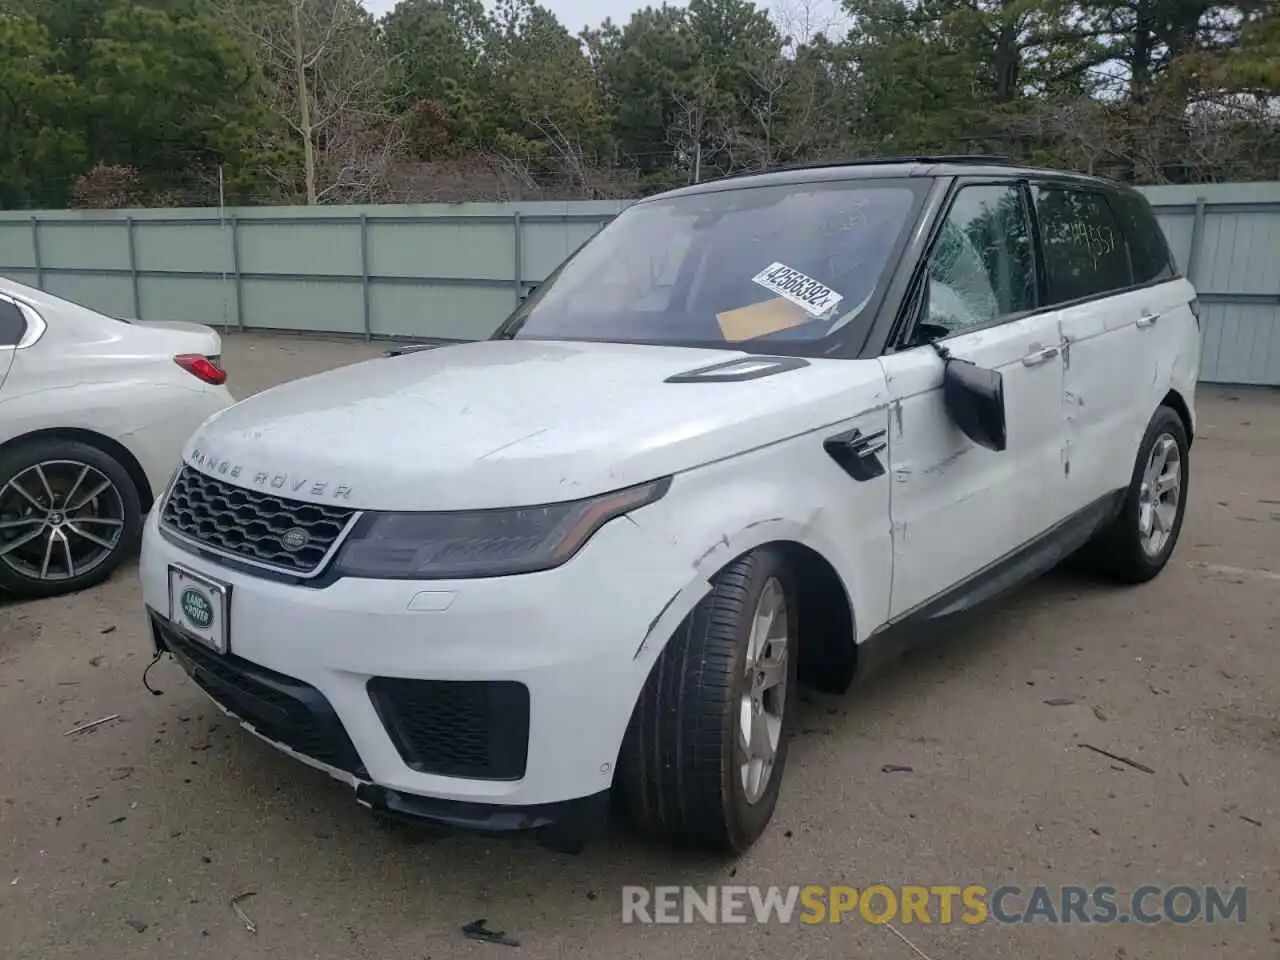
point(756, 432)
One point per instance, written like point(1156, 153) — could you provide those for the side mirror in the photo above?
point(927, 333)
point(974, 398)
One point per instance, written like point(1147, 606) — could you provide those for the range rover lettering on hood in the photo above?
point(265, 480)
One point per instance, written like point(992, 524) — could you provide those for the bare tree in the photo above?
point(696, 130)
point(801, 21)
point(327, 76)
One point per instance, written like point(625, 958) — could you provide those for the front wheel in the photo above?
point(703, 757)
point(1138, 543)
point(69, 515)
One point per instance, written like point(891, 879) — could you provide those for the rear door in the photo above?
point(958, 508)
point(1106, 310)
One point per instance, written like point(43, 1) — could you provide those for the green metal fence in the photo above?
point(1226, 238)
point(427, 271)
point(455, 271)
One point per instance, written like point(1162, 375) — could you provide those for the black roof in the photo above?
point(879, 168)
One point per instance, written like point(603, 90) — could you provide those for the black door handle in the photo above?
point(858, 453)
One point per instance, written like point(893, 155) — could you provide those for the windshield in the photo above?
point(766, 267)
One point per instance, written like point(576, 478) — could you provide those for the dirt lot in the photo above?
point(129, 841)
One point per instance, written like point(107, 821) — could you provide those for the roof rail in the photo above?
point(923, 158)
point(994, 159)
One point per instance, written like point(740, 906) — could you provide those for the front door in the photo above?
point(958, 508)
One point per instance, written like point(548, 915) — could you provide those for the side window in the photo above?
point(1148, 248)
point(1084, 248)
point(12, 323)
point(981, 268)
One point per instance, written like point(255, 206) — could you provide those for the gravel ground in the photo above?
point(130, 840)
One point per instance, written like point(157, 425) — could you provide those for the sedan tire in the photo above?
point(69, 516)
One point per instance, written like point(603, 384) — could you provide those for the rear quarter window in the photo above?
point(12, 324)
point(1148, 248)
point(1085, 249)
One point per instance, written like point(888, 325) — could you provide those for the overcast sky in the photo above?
point(576, 14)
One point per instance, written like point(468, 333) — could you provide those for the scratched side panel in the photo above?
point(1107, 364)
point(956, 506)
point(784, 490)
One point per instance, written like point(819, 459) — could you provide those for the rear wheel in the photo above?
point(69, 514)
point(1139, 542)
point(703, 758)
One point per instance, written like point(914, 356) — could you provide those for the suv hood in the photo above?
point(510, 423)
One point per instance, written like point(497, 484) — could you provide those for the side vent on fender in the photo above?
point(858, 453)
point(743, 368)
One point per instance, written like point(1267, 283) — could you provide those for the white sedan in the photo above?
point(94, 411)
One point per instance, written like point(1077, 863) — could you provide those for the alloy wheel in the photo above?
point(764, 697)
point(59, 519)
point(1159, 495)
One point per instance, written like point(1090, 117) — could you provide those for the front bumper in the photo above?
point(546, 664)
point(297, 719)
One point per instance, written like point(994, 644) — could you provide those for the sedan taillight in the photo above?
point(202, 367)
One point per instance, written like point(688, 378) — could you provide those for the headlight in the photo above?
point(482, 543)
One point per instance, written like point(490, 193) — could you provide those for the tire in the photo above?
point(1123, 551)
point(104, 507)
point(680, 770)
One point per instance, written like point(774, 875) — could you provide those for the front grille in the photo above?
point(473, 729)
point(252, 523)
point(279, 707)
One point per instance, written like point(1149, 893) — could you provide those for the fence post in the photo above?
point(1197, 238)
point(133, 269)
point(517, 250)
point(235, 269)
point(364, 276)
point(35, 252)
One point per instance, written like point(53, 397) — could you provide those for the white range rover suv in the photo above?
point(756, 432)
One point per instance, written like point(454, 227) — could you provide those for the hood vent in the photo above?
point(743, 368)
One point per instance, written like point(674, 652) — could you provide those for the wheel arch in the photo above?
point(1174, 401)
point(113, 448)
point(828, 624)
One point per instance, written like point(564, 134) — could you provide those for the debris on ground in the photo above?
point(1059, 702)
point(476, 930)
point(91, 724)
point(1115, 756)
point(896, 768)
point(137, 925)
point(1183, 777)
point(1097, 712)
point(1256, 823)
point(110, 629)
point(249, 925)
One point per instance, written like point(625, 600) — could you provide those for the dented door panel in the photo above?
point(955, 506)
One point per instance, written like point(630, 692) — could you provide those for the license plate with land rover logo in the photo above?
point(199, 606)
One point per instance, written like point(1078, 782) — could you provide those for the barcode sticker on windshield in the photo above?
point(816, 298)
